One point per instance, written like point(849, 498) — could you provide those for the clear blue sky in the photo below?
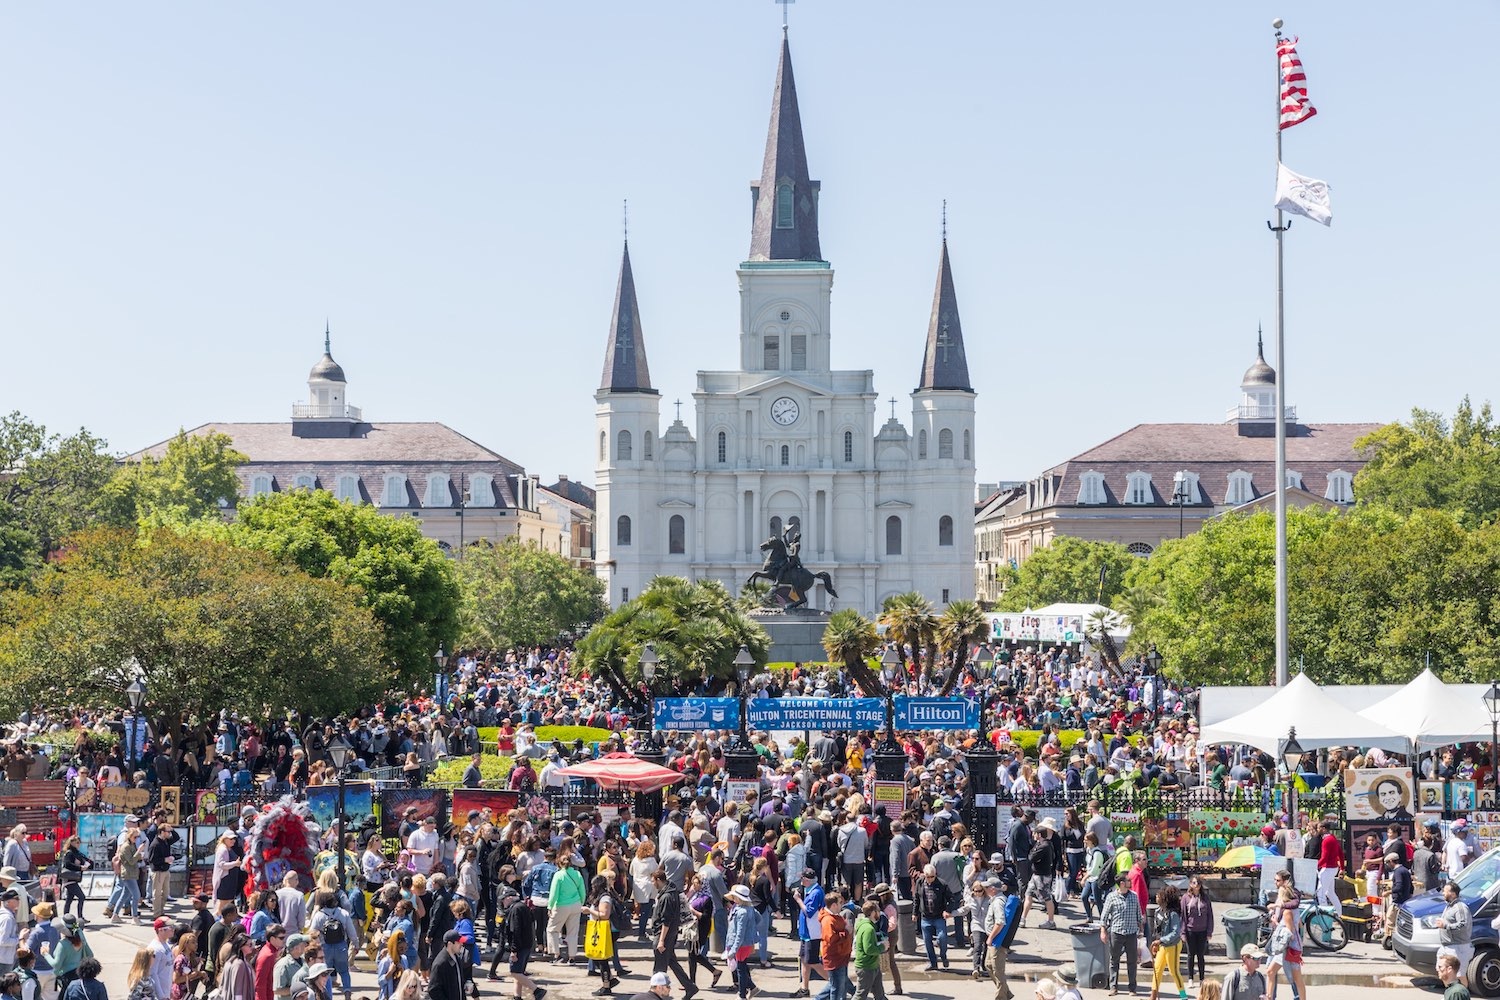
point(189, 189)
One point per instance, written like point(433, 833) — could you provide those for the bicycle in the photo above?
point(1321, 926)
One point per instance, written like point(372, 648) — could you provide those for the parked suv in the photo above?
point(1416, 939)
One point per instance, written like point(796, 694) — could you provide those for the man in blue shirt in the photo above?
point(809, 929)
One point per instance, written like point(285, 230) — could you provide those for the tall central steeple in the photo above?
point(944, 364)
point(785, 200)
point(625, 368)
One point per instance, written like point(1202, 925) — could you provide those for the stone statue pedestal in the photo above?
point(796, 636)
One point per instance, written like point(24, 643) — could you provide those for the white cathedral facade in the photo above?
point(785, 439)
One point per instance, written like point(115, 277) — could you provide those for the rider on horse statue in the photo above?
point(783, 568)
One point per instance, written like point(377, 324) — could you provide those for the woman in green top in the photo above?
point(1216, 770)
point(70, 951)
point(867, 954)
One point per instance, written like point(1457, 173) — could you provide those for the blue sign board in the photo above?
point(817, 713)
point(695, 714)
point(936, 713)
point(839, 714)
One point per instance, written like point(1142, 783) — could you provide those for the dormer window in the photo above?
point(1240, 489)
point(1293, 480)
point(1340, 487)
point(1091, 488)
point(786, 212)
point(1138, 488)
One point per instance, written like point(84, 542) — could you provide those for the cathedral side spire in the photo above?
point(625, 367)
point(944, 364)
point(786, 200)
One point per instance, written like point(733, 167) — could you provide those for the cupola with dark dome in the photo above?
point(327, 412)
point(1256, 414)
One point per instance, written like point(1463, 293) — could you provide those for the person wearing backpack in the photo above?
point(1044, 857)
point(335, 926)
point(1246, 982)
point(1096, 862)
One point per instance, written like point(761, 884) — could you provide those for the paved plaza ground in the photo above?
point(1359, 972)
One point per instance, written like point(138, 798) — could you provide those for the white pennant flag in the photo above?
point(1306, 196)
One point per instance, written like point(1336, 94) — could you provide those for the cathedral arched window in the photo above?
point(893, 535)
point(771, 353)
point(776, 527)
point(622, 530)
point(646, 449)
point(622, 447)
point(968, 454)
point(921, 444)
point(723, 447)
point(786, 211)
point(676, 535)
point(794, 523)
point(945, 530)
point(786, 455)
point(848, 446)
point(945, 443)
point(603, 446)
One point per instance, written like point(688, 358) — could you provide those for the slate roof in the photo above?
point(944, 364)
point(1213, 452)
point(785, 161)
point(625, 367)
point(413, 451)
point(577, 492)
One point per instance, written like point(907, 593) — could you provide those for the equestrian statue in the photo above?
point(783, 569)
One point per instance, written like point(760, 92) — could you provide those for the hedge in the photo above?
point(494, 771)
point(68, 738)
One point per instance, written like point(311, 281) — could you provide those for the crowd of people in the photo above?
point(708, 881)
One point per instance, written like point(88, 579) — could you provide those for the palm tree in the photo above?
point(1098, 628)
point(910, 620)
point(850, 638)
point(961, 624)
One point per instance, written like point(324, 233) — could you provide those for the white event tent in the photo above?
point(1320, 721)
point(1431, 713)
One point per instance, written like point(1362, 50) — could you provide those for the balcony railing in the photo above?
point(321, 411)
point(1260, 413)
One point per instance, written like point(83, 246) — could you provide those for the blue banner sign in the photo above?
point(854, 714)
point(936, 713)
point(695, 714)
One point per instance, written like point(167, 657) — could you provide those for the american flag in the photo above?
point(1295, 107)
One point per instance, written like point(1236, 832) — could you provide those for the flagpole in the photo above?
point(1280, 229)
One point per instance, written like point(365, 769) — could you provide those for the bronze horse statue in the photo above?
point(783, 567)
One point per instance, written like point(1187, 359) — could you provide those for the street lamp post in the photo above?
point(136, 693)
point(438, 683)
point(1153, 670)
point(890, 669)
point(742, 758)
point(1291, 756)
point(1492, 702)
point(341, 753)
point(648, 663)
point(1181, 493)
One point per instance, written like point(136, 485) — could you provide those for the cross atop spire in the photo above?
point(785, 225)
point(784, 5)
point(625, 368)
point(944, 364)
point(327, 342)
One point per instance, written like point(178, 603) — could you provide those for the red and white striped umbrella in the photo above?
point(624, 770)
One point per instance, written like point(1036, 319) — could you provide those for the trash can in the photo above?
point(1090, 956)
point(906, 926)
point(1240, 927)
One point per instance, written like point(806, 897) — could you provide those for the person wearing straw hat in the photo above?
point(1067, 982)
point(739, 940)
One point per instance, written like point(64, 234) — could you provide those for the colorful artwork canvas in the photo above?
point(463, 801)
point(1431, 796)
point(395, 801)
point(359, 806)
point(1384, 793)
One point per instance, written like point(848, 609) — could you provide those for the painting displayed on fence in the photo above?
point(1431, 796)
point(359, 804)
point(1215, 831)
point(394, 802)
point(463, 801)
point(1462, 796)
point(1378, 793)
point(97, 833)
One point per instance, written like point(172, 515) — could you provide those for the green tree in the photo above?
point(209, 625)
point(194, 478)
point(406, 580)
point(697, 630)
point(909, 621)
point(1068, 570)
point(1430, 462)
point(49, 488)
point(961, 624)
point(850, 638)
point(515, 593)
